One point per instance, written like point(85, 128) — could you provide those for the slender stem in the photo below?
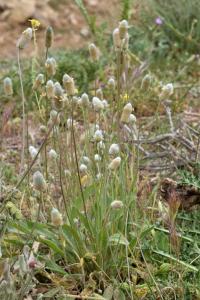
point(46, 53)
point(119, 58)
point(76, 158)
point(46, 119)
point(127, 257)
point(23, 111)
point(60, 178)
point(95, 87)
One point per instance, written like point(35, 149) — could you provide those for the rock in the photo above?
point(19, 10)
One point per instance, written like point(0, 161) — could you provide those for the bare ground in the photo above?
point(71, 30)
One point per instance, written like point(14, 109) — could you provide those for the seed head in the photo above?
point(55, 117)
point(68, 83)
point(167, 90)
point(132, 119)
point(111, 84)
point(58, 96)
point(56, 217)
point(126, 113)
point(114, 149)
point(101, 146)
point(105, 103)
point(39, 182)
point(97, 104)
point(39, 80)
point(94, 52)
point(49, 37)
point(146, 81)
point(98, 135)
point(7, 85)
point(123, 29)
point(25, 38)
point(115, 163)
point(97, 157)
point(83, 168)
point(52, 154)
point(128, 107)
point(116, 39)
point(116, 204)
point(126, 41)
point(86, 160)
point(58, 91)
point(99, 94)
point(50, 66)
point(85, 100)
point(50, 89)
point(99, 176)
point(33, 152)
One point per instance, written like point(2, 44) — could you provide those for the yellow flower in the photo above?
point(35, 23)
point(125, 97)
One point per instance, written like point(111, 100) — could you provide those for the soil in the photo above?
point(70, 27)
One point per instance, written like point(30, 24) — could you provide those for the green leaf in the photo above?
point(83, 220)
point(78, 242)
point(16, 242)
point(145, 231)
point(118, 239)
point(184, 264)
point(20, 226)
point(42, 229)
point(50, 264)
point(52, 245)
point(186, 238)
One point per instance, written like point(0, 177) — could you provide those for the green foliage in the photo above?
point(76, 64)
point(97, 31)
point(189, 179)
point(180, 29)
point(126, 9)
point(89, 19)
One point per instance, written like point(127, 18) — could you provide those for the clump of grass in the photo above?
point(90, 226)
